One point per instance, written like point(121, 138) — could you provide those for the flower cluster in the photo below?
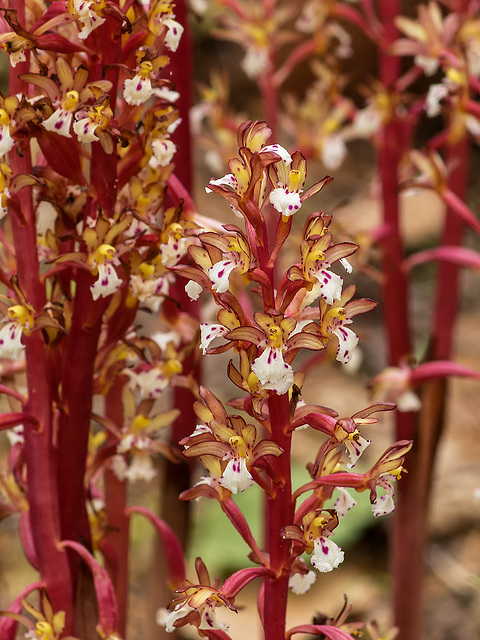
point(88, 239)
point(226, 446)
point(299, 309)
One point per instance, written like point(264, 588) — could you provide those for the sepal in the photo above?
point(107, 604)
point(172, 547)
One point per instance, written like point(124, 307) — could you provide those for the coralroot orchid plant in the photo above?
point(98, 222)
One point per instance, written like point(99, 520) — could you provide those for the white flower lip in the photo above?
point(85, 130)
point(193, 289)
point(59, 122)
point(285, 202)
point(6, 140)
point(347, 341)
point(236, 476)
point(163, 152)
point(11, 341)
point(300, 583)
point(330, 285)
point(219, 275)
point(208, 333)
point(272, 372)
point(137, 90)
point(107, 283)
point(327, 555)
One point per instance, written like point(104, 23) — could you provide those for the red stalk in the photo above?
point(408, 530)
point(267, 81)
point(177, 477)
point(279, 515)
point(77, 390)
point(116, 503)
point(39, 452)
point(79, 359)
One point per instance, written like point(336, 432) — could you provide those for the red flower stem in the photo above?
point(411, 519)
point(118, 521)
point(279, 515)
point(39, 453)
point(269, 90)
point(77, 384)
point(177, 477)
point(446, 301)
point(267, 82)
point(408, 531)
point(82, 345)
point(103, 171)
point(42, 485)
point(77, 391)
point(181, 72)
point(365, 25)
point(395, 291)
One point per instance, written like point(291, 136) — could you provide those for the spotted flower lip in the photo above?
point(219, 275)
point(285, 202)
point(384, 504)
point(233, 443)
point(279, 150)
point(87, 16)
point(314, 535)
point(228, 180)
point(85, 130)
point(107, 283)
point(272, 371)
point(137, 90)
point(59, 122)
point(208, 333)
point(163, 152)
point(236, 476)
point(11, 345)
point(336, 318)
point(327, 555)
